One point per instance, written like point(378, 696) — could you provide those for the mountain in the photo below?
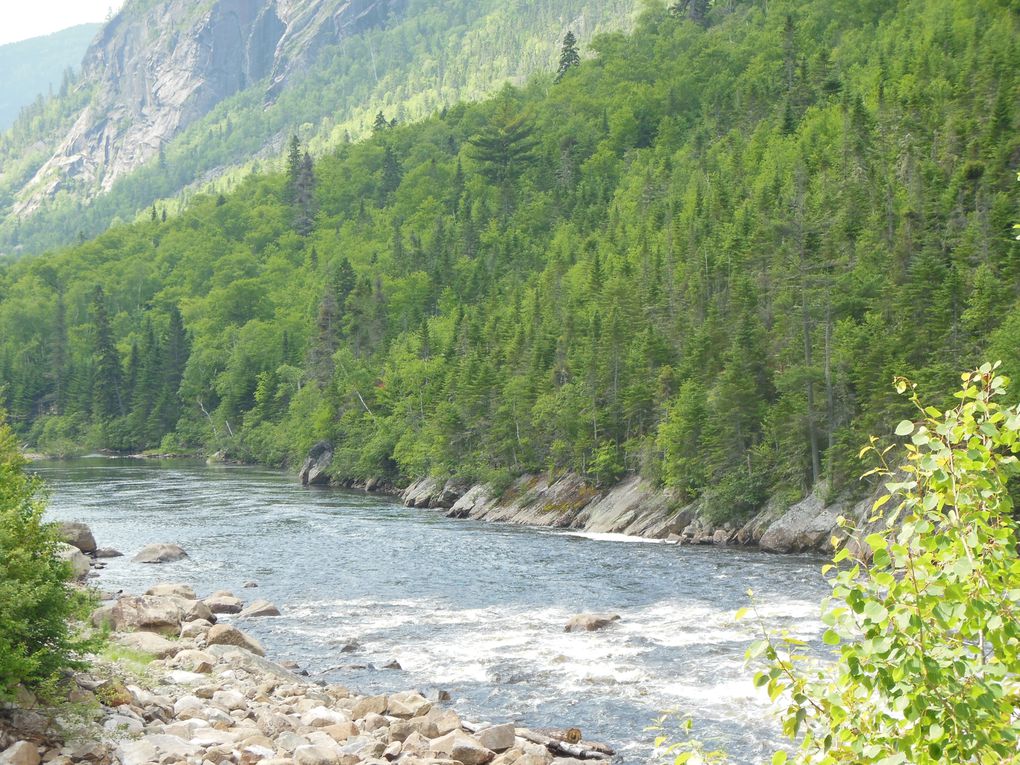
point(700, 256)
point(34, 68)
point(175, 94)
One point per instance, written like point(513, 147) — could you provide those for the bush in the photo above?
point(926, 633)
point(37, 641)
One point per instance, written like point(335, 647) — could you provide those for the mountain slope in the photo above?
point(176, 94)
point(701, 257)
point(33, 68)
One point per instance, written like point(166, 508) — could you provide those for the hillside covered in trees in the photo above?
point(701, 255)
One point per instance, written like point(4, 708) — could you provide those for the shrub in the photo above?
point(37, 603)
point(926, 634)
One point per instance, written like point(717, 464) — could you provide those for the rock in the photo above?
point(807, 525)
point(463, 748)
point(224, 602)
point(199, 611)
point(123, 725)
point(77, 535)
point(311, 754)
point(440, 722)
point(230, 700)
point(195, 628)
point(79, 562)
point(313, 471)
point(498, 738)
point(259, 608)
point(148, 613)
point(188, 706)
point(140, 752)
point(160, 553)
point(391, 664)
point(590, 622)
point(249, 585)
point(149, 642)
point(20, 753)
point(195, 661)
point(369, 705)
point(408, 704)
point(225, 634)
point(321, 717)
point(108, 552)
point(179, 590)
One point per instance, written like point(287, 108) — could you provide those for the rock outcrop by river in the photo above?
point(636, 507)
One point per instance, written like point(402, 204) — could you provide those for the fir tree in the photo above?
point(569, 56)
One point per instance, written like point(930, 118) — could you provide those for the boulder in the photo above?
point(229, 700)
point(77, 535)
point(498, 738)
point(199, 611)
point(313, 471)
point(590, 622)
point(20, 753)
point(312, 754)
point(408, 704)
point(259, 608)
point(179, 590)
point(147, 613)
point(79, 562)
point(463, 748)
point(160, 553)
point(193, 660)
point(108, 552)
point(151, 643)
point(807, 525)
point(369, 705)
point(224, 602)
point(195, 628)
point(225, 634)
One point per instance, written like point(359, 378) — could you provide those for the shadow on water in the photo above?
point(475, 609)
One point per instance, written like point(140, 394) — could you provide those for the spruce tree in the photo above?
point(106, 389)
point(569, 55)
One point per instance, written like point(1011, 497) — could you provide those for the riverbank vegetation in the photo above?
point(38, 641)
point(700, 255)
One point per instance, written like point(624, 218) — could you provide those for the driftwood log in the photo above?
point(563, 742)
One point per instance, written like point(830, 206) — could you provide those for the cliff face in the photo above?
point(159, 66)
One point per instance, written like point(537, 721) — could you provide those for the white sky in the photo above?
point(21, 19)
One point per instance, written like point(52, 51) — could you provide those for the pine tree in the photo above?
point(569, 56)
point(106, 388)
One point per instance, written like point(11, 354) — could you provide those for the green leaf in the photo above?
point(905, 428)
point(779, 758)
point(831, 637)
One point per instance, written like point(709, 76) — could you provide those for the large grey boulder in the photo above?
point(463, 748)
point(80, 563)
point(224, 602)
point(78, 535)
point(259, 608)
point(590, 622)
point(20, 753)
point(313, 471)
point(807, 525)
point(173, 588)
point(160, 553)
point(225, 634)
point(145, 613)
point(151, 643)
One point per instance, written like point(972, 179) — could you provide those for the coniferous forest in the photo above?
point(699, 252)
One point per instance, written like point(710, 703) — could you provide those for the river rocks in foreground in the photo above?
point(224, 602)
point(78, 535)
point(160, 553)
point(226, 634)
point(259, 608)
point(20, 753)
point(590, 622)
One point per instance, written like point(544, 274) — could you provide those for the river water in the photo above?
point(472, 608)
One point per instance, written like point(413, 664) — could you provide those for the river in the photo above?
point(472, 608)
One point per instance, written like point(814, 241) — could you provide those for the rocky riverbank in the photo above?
point(637, 508)
point(178, 685)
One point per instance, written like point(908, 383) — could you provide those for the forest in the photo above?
point(699, 252)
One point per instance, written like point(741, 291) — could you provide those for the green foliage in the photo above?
point(37, 642)
point(926, 634)
point(638, 269)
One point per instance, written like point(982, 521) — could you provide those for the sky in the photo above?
point(34, 18)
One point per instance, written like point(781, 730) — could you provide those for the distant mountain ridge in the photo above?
point(175, 94)
point(31, 68)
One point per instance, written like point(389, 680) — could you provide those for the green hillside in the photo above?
point(431, 55)
point(701, 256)
point(31, 70)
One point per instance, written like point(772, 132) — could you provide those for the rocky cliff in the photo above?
point(159, 66)
point(637, 508)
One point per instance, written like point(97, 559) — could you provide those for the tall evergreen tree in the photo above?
point(569, 56)
point(107, 400)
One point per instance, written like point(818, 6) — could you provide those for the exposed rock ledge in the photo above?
point(635, 507)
